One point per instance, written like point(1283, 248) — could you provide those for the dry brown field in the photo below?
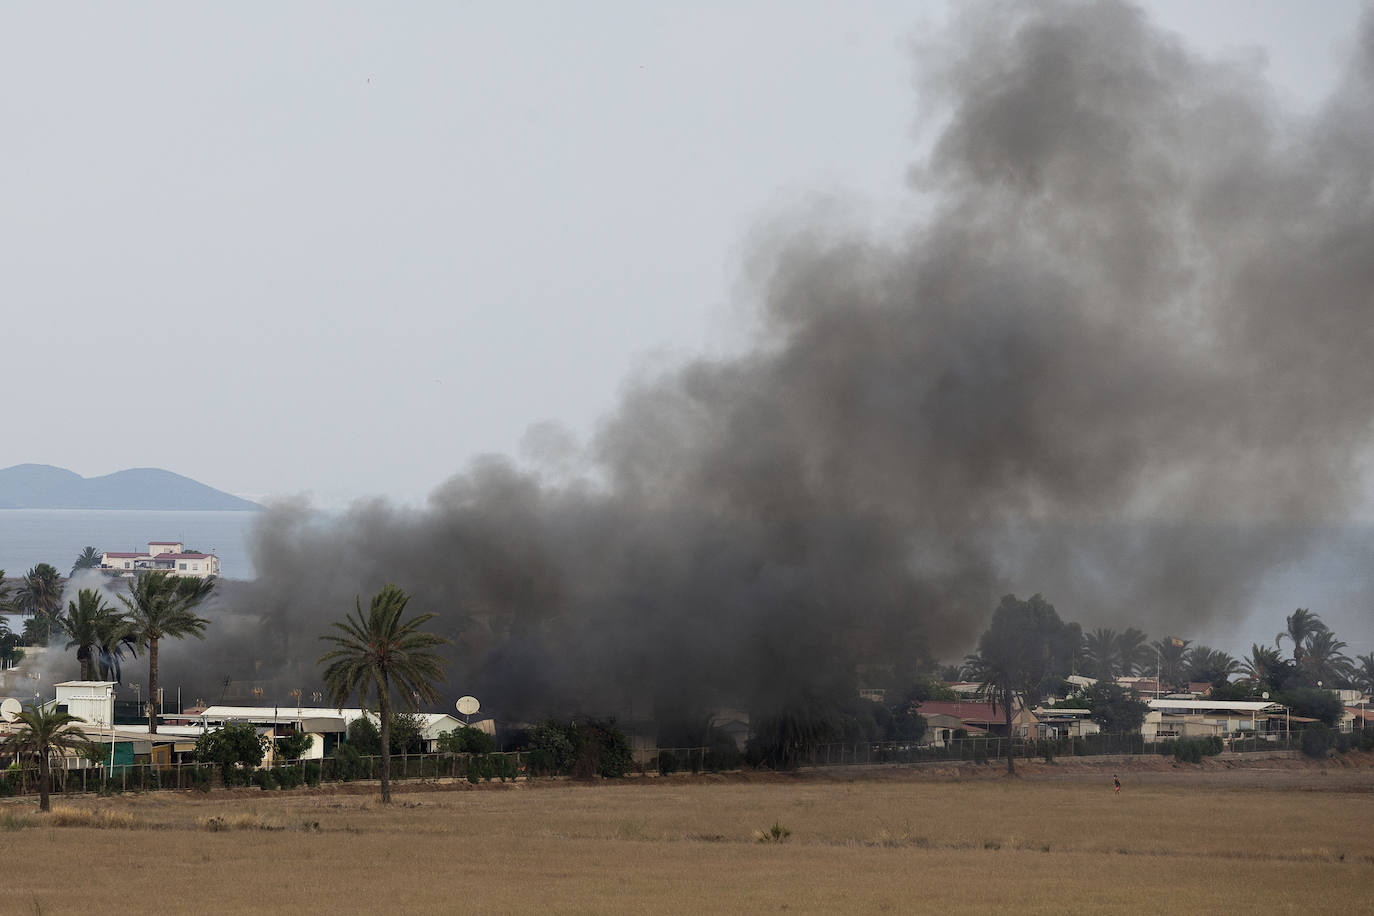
point(1273, 835)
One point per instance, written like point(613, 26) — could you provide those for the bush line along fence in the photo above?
point(506, 766)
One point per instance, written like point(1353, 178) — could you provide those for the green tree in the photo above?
point(1169, 663)
point(1133, 647)
point(231, 746)
point(378, 653)
point(1115, 708)
point(1313, 703)
point(1299, 625)
point(466, 740)
point(115, 638)
point(1024, 651)
point(407, 732)
point(1265, 666)
point(1102, 650)
point(43, 733)
point(364, 737)
point(293, 746)
point(1323, 662)
point(88, 559)
point(85, 624)
point(161, 606)
point(40, 594)
point(1203, 663)
point(1364, 672)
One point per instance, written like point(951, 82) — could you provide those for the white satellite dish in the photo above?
point(10, 709)
point(468, 705)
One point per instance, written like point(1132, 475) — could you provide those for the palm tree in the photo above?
point(89, 559)
point(1323, 661)
point(40, 593)
point(161, 605)
point(1364, 672)
point(87, 620)
point(379, 652)
point(1300, 624)
point(1133, 648)
point(115, 638)
point(1264, 666)
point(44, 732)
point(1203, 663)
point(1102, 649)
point(1169, 659)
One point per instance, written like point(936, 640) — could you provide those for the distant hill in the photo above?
point(42, 486)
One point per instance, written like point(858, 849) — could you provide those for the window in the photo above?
point(195, 567)
point(181, 566)
point(126, 564)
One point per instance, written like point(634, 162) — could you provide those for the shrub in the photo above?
point(348, 763)
point(1316, 741)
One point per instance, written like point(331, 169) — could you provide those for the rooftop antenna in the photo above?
point(10, 709)
point(466, 707)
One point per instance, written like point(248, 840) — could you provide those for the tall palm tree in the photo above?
point(1133, 648)
point(114, 639)
point(82, 624)
point(1203, 663)
point(161, 606)
point(89, 558)
point(1103, 653)
point(1169, 659)
point(1264, 665)
point(40, 593)
point(44, 732)
point(1364, 672)
point(379, 652)
point(1299, 625)
point(1323, 661)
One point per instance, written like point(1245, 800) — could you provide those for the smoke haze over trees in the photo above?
point(1119, 356)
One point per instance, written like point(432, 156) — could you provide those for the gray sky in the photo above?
point(343, 248)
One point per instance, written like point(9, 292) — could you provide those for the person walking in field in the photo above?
point(1116, 780)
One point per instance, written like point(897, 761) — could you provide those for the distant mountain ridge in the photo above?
point(42, 486)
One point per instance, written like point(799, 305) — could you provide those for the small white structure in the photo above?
point(90, 701)
point(169, 556)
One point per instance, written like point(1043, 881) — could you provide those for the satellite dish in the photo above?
point(1265, 694)
point(10, 709)
point(468, 705)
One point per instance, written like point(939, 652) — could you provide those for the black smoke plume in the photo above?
point(1121, 355)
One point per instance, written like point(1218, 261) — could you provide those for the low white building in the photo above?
point(1180, 718)
point(169, 556)
point(90, 701)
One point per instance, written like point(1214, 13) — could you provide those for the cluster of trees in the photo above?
point(158, 606)
point(1024, 654)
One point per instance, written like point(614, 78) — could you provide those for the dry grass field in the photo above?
point(1277, 835)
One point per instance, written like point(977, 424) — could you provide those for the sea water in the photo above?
point(57, 536)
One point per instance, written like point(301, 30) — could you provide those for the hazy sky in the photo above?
point(343, 248)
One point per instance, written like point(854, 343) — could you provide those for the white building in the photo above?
point(90, 701)
point(169, 556)
point(1179, 718)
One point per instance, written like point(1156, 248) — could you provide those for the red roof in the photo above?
point(111, 553)
point(967, 712)
point(182, 556)
point(161, 543)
